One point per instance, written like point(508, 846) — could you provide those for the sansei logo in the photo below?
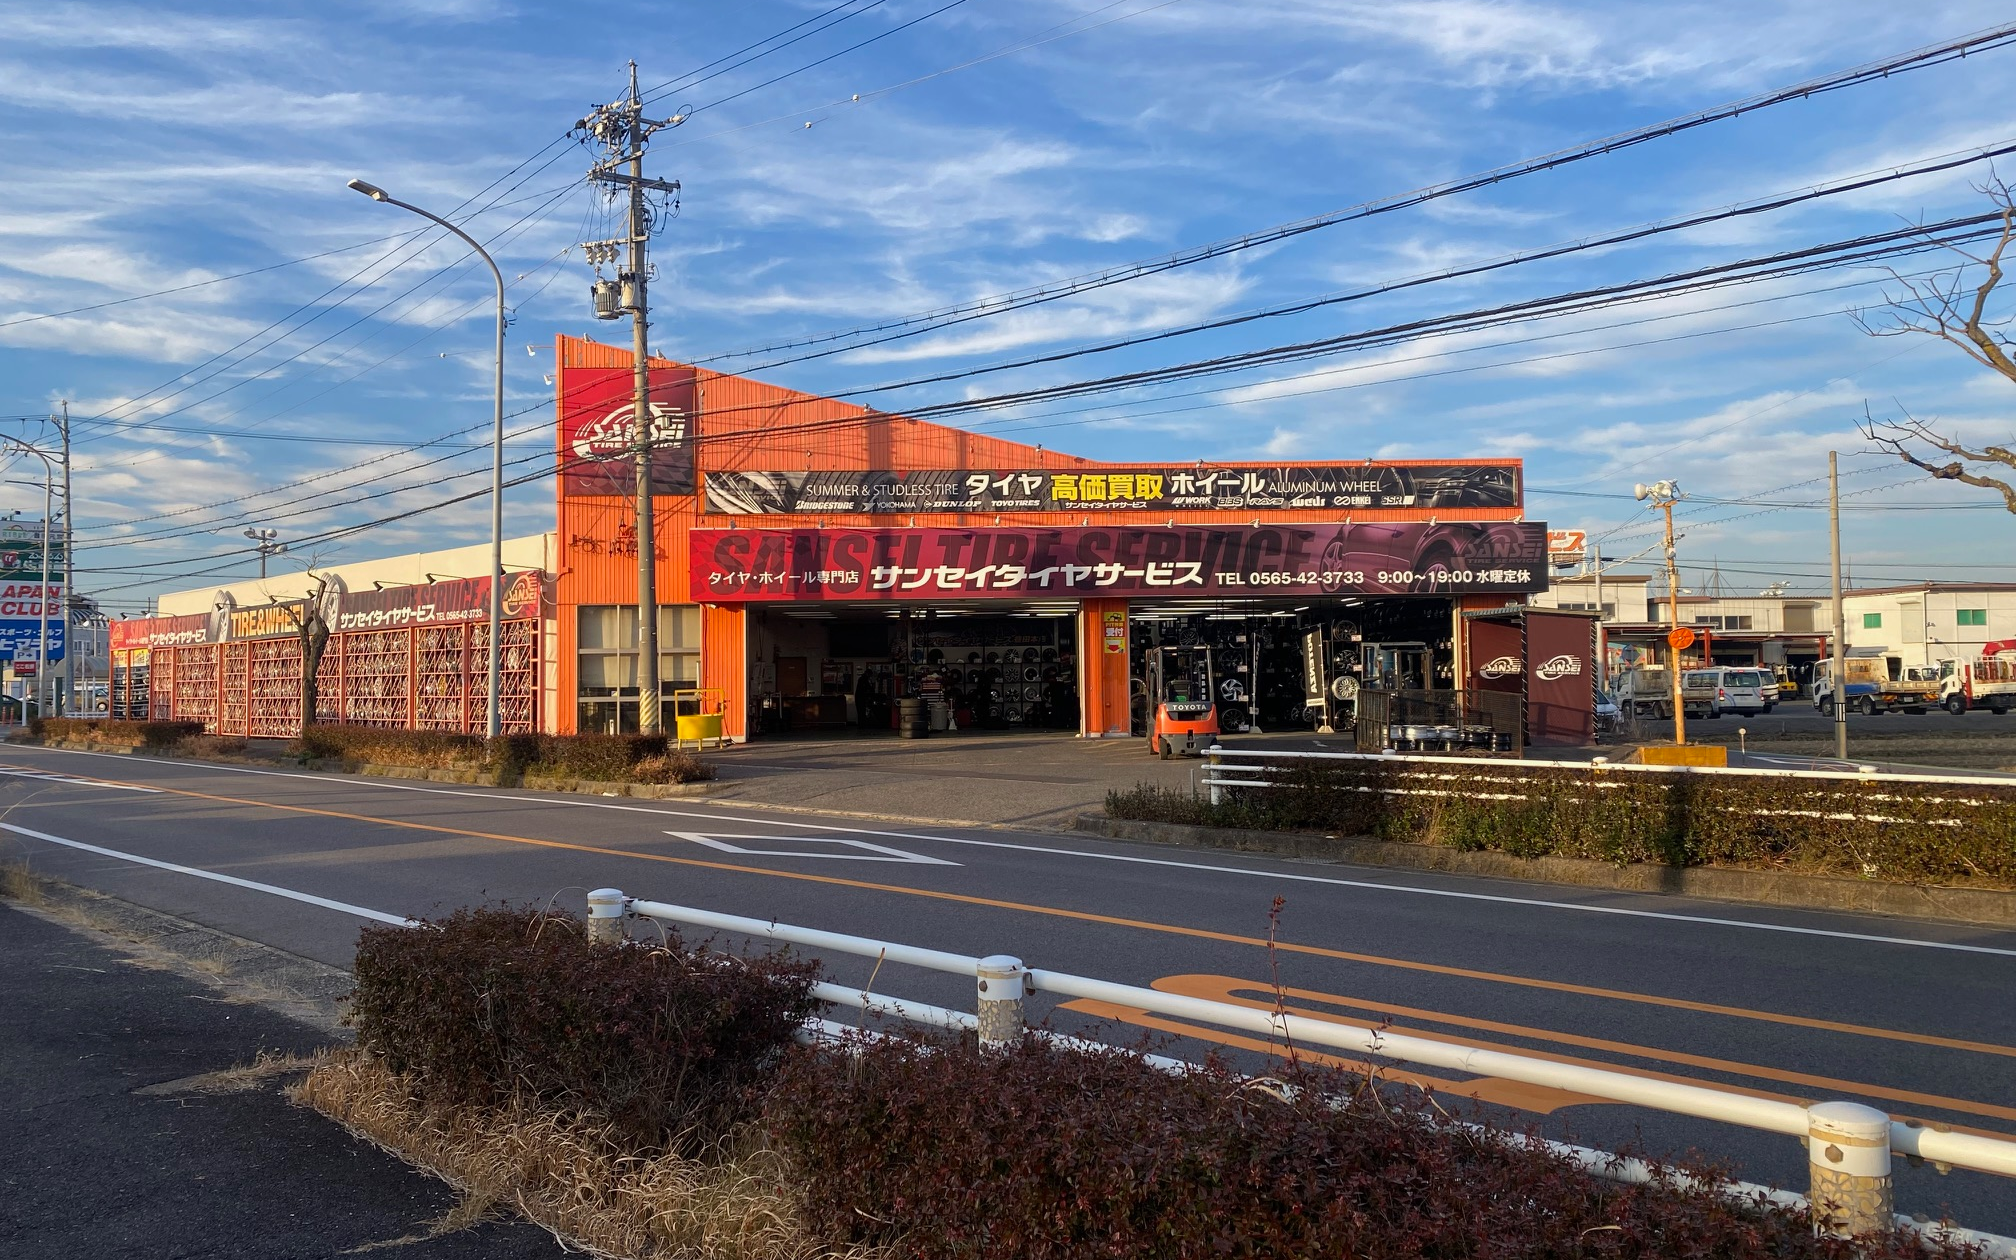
point(1563, 666)
point(609, 437)
point(1502, 667)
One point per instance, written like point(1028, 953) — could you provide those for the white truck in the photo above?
point(1876, 683)
point(1988, 682)
point(1647, 692)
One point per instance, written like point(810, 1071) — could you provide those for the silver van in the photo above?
point(1745, 691)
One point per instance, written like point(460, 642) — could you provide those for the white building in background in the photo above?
point(1932, 621)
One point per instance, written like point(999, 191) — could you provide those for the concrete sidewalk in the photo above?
point(121, 1141)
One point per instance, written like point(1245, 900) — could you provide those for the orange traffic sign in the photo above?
point(1680, 640)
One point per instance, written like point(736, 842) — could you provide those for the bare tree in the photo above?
point(1962, 308)
point(311, 624)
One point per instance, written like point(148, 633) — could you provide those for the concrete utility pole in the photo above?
point(1840, 619)
point(69, 575)
point(1663, 495)
point(624, 131)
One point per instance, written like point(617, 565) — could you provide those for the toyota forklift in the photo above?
point(1183, 707)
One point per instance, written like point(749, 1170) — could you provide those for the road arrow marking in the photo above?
point(863, 851)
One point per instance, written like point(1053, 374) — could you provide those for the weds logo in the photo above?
point(609, 437)
point(1563, 666)
point(1502, 667)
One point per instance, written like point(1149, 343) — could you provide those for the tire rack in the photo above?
point(427, 678)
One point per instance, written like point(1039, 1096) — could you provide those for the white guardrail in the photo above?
point(1850, 1145)
point(1255, 762)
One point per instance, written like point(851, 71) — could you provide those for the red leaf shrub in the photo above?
point(494, 1005)
point(1044, 1154)
point(158, 736)
point(388, 746)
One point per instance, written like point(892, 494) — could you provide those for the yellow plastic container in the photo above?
point(698, 727)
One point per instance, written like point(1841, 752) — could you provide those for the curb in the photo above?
point(314, 993)
point(1992, 907)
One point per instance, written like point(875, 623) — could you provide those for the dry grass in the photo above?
point(21, 885)
point(265, 1066)
point(565, 1174)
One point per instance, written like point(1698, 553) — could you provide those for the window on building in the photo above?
point(1725, 623)
point(606, 663)
point(1972, 617)
point(1872, 621)
point(1609, 610)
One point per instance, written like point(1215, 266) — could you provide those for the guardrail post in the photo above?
point(1848, 1154)
point(1214, 761)
point(1003, 983)
point(605, 916)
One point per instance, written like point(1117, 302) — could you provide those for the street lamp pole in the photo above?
point(495, 725)
point(42, 603)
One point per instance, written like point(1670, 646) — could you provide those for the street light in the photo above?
point(495, 725)
point(1663, 495)
point(267, 547)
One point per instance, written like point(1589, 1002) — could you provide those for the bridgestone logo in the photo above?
point(1560, 667)
point(1503, 667)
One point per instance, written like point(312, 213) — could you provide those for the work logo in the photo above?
point(1563, 666)
point(1502, 667)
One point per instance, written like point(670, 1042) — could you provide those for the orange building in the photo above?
point(819, 563)
point(816, 558)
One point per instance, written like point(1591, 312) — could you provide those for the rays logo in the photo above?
point(609, 437)
point(1563, 666)
point(1502, 667)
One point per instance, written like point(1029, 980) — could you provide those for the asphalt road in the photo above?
point(1913, 1017)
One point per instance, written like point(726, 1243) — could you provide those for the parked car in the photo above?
point(1745, 691)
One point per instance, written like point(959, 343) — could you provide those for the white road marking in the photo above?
point(57, 776)
point(277, 891)
point(866, 852)
point(1095, 855)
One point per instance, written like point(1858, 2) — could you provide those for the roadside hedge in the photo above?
point(158, 736)
point(1911, 832)
point(1048, 1154)
point(490, 1006)
point(602, 758)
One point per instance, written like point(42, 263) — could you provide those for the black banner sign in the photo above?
point(1412, 557)
point(1173, 487)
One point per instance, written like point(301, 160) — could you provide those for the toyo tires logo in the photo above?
point(1563, 666)
point(1502, 667)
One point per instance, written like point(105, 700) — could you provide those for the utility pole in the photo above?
point(624, 131)
point(1840, 705)
point(1663, 495)
point(69, 573)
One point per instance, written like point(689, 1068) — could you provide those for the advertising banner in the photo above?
point(21, 552)
point(737, 566)
point(1163, 488)
point(597, 422)
point(437, 603)
point(19, 635)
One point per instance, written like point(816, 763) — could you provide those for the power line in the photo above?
point(1003, 303)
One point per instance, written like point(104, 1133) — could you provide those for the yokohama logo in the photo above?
point(1563, 666)
point(1502, 667)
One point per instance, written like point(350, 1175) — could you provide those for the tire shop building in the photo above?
point(818, 562)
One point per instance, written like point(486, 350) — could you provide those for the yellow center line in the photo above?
point(1144, 925)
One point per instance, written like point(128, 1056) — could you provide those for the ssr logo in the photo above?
point(1563, 666)
point(1502, 667)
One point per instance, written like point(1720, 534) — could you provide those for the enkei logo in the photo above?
point(609, 437)
point(1563, 666)
point(1503, 667)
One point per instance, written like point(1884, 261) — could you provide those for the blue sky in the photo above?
point(162, 146)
